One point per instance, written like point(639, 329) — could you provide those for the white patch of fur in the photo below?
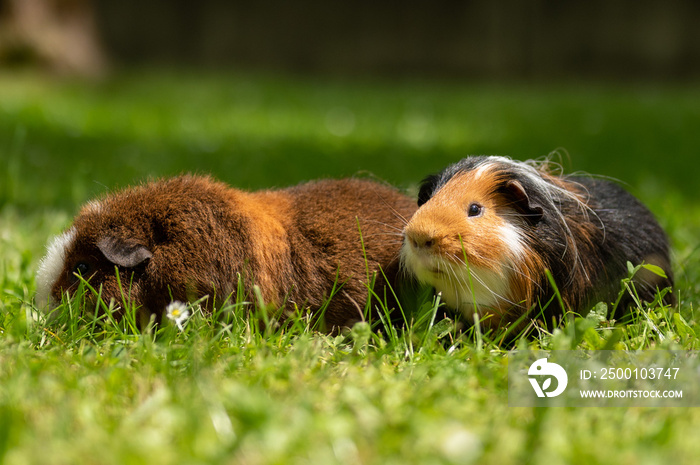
point(487, 289)
point(482, 168)
point(51, 267)
point(510, 236)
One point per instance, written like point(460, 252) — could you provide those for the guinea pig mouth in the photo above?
point(431, 267)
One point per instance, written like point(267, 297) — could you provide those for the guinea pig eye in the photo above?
point(475, 209)
point(81, 268)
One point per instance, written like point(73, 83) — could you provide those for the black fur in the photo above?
point(428, 186)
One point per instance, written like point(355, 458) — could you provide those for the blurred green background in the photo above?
point(65, 141)
point(97, 94)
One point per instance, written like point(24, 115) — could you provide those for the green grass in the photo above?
point(227, 390)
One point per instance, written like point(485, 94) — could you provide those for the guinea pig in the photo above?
point(488, 228)
point(189, 237)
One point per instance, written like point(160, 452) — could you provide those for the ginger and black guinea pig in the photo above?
point(488, 228)
point(189, 237)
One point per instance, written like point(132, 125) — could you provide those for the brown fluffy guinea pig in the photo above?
point(188, 237)
point(487, 228)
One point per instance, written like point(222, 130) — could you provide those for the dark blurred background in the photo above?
point(271, 93)
point(486, 39)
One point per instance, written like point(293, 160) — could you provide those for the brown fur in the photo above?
point(294, 243)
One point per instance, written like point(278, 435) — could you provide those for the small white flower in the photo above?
point(178, 312)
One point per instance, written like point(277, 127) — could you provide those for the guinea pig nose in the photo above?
point(428, 243)
point(420, 240)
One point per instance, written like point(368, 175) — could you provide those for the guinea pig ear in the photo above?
point(517, 193)
point(427, 188)
point(123, 253)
